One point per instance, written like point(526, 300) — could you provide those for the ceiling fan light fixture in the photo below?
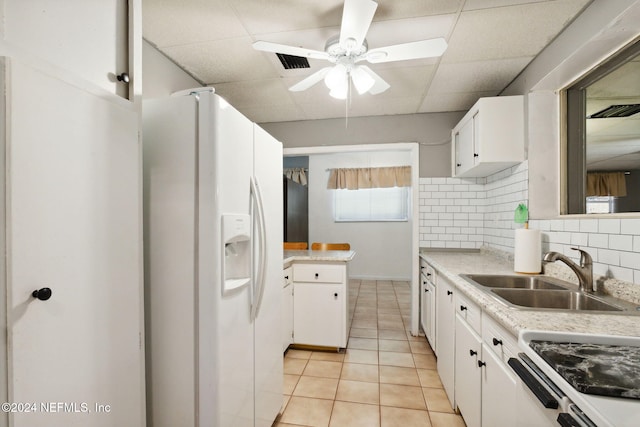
point(336, 77)
point(361, 80)
point(340, 92)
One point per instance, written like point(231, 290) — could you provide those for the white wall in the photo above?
point(383, 248)
point(432, 131)
point(162, 77)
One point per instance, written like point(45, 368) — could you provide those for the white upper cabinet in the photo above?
point(489, 138)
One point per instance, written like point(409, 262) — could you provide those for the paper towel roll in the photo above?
point(527, 252)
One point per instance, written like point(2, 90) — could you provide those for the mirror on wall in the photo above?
point(603, 137)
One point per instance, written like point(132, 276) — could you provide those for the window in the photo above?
point(371, 204)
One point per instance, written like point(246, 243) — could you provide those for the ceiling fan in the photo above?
point(350, 48)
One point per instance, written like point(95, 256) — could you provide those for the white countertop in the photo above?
point(452, 264)
point(325, 256)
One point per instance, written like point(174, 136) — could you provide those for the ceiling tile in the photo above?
point(394, 9)
point(478, 76)
point(222, 61)
point(171, 23)
point(266, 92)
point(509, 32)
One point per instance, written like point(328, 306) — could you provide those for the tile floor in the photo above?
point(385, 378)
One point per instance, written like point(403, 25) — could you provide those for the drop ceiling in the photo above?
point(490, 43)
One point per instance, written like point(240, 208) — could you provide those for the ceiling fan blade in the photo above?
point(311, 80)
point(356, 19)
point(412, 50)
point(379, 84)
point(289, 50)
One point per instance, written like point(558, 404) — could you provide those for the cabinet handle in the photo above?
point(476, 155)
point(428, 274)
point(472, 353)
point(463, 308)
point(426, 290)
point(481, 364)
point(317, 275)
point(335, 295)
point(424, 282)
point(458, 164)
point(497, 341)
point(422, 267)
point(286, 277)
point(449, 293)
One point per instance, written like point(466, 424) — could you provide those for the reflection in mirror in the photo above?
point(603, 137)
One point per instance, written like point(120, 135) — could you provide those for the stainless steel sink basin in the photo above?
point(553, 299)
point(510, 281)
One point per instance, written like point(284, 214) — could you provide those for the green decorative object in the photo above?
point(521, 215)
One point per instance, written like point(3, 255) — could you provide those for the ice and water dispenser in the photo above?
point(236, 237)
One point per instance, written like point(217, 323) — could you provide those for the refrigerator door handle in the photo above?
point(259, 281)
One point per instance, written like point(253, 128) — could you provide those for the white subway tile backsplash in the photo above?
point(621, 242)
point(609, 226)
point(470, 213)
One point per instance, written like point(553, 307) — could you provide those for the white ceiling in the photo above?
point(490, 43)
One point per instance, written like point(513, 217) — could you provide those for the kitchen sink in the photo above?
point(554, 299)
point(511, 281)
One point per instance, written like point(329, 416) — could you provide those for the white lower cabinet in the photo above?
point(287, 308)
point(445, 336)
point(468, 373)
point(428, 302)
point(498, 391)
point(320, 304)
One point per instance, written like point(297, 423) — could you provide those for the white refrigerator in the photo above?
point(213, 265)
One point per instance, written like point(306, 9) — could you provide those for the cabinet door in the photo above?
point(464, 147)
point(318, 314)
point(498, 392)
point(287, 316)
point(424, 304)
point(431, 322)
point(467, 379)
point(445, 336)
point(476, 147)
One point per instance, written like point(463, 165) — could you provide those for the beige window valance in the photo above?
point(355, 178)
point(606, 184)
point(296, 175)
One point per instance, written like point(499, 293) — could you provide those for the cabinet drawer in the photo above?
point(287, 274)
point(498, 339)
point(320, 273)
point(469, 311)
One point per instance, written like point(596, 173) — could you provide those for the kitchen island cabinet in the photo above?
point(320, 297)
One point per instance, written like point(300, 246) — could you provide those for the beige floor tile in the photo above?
point(436, 400)
point(418, 338)
point(287, 425)
point(363, 333)
point(307, 412)
point(390, 324)
point(402, 417)
point(348, 414)
point(446, 420)
point(298, 354)
point(367, 357)
point(390, 317)
point(425, 361)
point(391, 358)
point(294, 366)
point(290, 382)
point(320, 388)
point(363, 343)
point(392, 334)
point(360, 372)
point(401, 396)
point(429, 378)
point(394, 345)
point(328, 356)
point(420, 347)
point(399, 375)
point(364, 324)
point(285, 400)
point(358, 391)
point(324, 369)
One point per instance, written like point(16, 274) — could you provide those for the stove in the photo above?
point(601, 369)
point(595, 375)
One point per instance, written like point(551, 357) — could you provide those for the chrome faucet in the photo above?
point(584, 271)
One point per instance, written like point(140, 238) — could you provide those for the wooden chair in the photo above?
point(330, 246)
point(295, 246)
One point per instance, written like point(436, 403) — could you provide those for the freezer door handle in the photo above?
point(259, 279)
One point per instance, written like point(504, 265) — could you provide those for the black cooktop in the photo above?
point(608, 370)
